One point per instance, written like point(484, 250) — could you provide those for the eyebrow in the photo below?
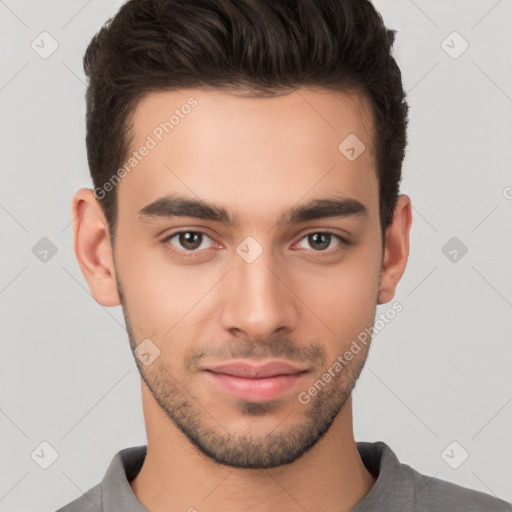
point(181, 206)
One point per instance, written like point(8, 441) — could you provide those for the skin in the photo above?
point(256, 157)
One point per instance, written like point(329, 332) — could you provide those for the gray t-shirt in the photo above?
point(399, 488)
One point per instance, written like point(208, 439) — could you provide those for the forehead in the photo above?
point(257, 154)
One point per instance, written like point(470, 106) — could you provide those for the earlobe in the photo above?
point(396, 251)
point(92, 247)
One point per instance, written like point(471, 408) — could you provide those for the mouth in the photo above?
point(255, 382)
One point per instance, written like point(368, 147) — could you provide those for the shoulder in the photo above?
point(114, 491)
point(436, 495)
point(402, 488)
point(87, 502)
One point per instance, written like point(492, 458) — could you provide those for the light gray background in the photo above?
point(438, 373)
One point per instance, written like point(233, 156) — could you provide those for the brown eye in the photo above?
point(189, 240)
point(320, 241)
point(186, 242)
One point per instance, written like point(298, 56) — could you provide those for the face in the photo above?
point(245, 234)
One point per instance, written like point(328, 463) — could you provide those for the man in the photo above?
point(226, 140)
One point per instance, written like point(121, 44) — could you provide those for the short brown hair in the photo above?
point(260, 46)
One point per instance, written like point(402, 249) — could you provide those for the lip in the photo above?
point(259, 383)
point(252, 371)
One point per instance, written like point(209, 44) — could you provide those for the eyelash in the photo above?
point(193, 253)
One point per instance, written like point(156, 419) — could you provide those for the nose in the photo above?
point(259, 302)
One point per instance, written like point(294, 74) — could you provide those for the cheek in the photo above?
point(343, 296)
point(158, 292)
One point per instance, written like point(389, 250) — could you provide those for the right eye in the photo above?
point(190, 241)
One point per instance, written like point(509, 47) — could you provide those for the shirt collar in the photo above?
point(378, 458)
point(394, 486)
point(116, 492)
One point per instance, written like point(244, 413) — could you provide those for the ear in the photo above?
point(92, 247)
point(396, 251)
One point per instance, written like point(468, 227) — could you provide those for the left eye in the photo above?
point(322, 240)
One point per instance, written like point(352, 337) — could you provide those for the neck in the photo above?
point(176, 476)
